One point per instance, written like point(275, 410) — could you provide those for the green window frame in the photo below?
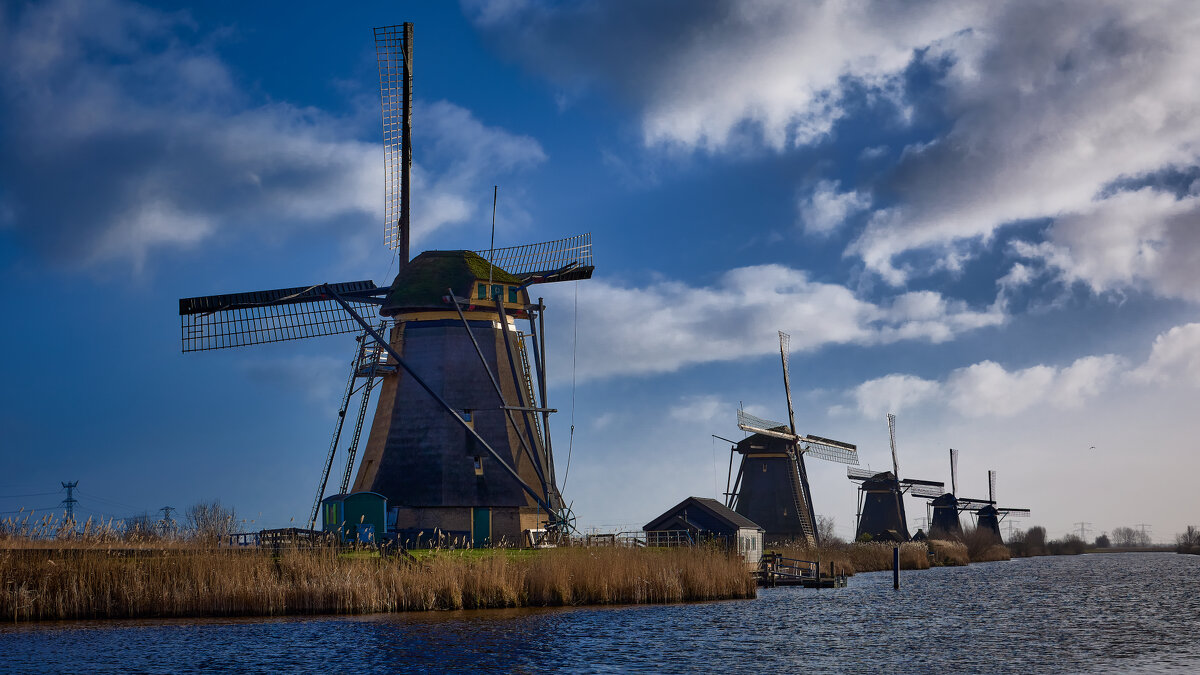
point(483, 291)
point(512, 294)
point(497, 292)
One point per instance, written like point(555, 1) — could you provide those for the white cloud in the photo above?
point(704, 74)
point(1175, 357)
point(700, 407)
point(126, 134)
point(1051, 104)
point(668, 325)
point(825, 208)
point(893, 393)
point(988, 389)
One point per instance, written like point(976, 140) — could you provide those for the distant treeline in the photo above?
point(1033, 542)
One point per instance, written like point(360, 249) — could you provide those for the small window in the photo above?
point(512, 294)
point(497, 292)
point(478, 466)
point(468, 417)
point(483, 291)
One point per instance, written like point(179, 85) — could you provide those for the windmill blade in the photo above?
point(758, 425)
point(992, 485)
point(785, 341)
point(859, 473)
point(1014, 513)
point(829, 449)
point(927, 491)
point(393, 51)
point(891, 420)
point(966, 504)
point(241, 319)
point(566, 259)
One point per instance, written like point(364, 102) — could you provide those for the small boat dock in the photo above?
point(777, 570)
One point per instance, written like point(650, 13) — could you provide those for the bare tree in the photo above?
point(1127, 537)
point(827, 531)
point(210, 522)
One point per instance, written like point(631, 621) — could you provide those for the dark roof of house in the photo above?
point(423, 282)
point(712, 506)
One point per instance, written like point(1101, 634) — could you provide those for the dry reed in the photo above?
point(94, 582)
point(860, 556)
point(984, 546)
point(948, 553)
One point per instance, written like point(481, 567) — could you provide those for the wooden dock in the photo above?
point(776, 570)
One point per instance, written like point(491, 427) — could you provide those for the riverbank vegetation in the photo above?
point(44, 582)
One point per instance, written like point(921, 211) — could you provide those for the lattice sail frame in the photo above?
point(531, 260)
point(816, 446)
point(393, 50)
point(242, 319)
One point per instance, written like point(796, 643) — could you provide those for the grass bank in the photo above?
point(50, 583)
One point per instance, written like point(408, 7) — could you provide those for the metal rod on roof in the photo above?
point(492, 243)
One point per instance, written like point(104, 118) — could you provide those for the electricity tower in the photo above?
point(1084, 528)
point(70, 501)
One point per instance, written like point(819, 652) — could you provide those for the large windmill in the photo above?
point(988, 518)
point(945, 523)
point(772, 483)
point(460, 438)
point(881, 496)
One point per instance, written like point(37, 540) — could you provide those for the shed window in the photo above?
point(497, 292)
point(478, 466)
point(483, 291)
point(512, 294)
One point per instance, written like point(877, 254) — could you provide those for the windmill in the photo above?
point(881, 496)
point(988, 518)
point(460, 437)
point(945, 523)
point(772, 483)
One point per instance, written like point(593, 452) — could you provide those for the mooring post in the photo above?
point(896, 567)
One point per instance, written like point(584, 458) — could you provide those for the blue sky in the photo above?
point(980, 217)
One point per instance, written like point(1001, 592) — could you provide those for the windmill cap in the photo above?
point(423, 282)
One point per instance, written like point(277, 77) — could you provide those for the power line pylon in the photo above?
point(70, 501)
point(1084, 528)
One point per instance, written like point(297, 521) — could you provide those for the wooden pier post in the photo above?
point(896, 567)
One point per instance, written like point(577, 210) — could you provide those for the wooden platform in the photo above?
point(776, 570)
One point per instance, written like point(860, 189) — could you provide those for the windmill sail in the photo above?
point(566, 259)
point(393, 51)
point(241, 319)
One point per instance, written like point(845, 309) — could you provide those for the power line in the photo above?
point(70, 501)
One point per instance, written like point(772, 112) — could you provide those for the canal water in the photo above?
point(1135, 612)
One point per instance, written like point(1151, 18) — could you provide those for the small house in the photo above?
point(357, 517)
point(698, 520)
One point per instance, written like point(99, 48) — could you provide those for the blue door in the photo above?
point(481, 528)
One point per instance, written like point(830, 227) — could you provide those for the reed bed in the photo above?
point(62, 582)
point(983, 546)
point(860, 556)
point(949, 553)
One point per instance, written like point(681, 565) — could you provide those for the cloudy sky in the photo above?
point(982, 217)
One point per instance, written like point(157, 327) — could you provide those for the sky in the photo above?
point(982, 217)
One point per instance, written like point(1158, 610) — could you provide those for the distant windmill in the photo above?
point(460, 439)
point(988, 518)
point(772, 483)
point(945, 522)
point(881, 496)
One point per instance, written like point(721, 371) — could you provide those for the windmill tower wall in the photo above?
point(989, 521)
point(418, 455)
point(883, 514)
point(945, 518)
point(771, 492)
